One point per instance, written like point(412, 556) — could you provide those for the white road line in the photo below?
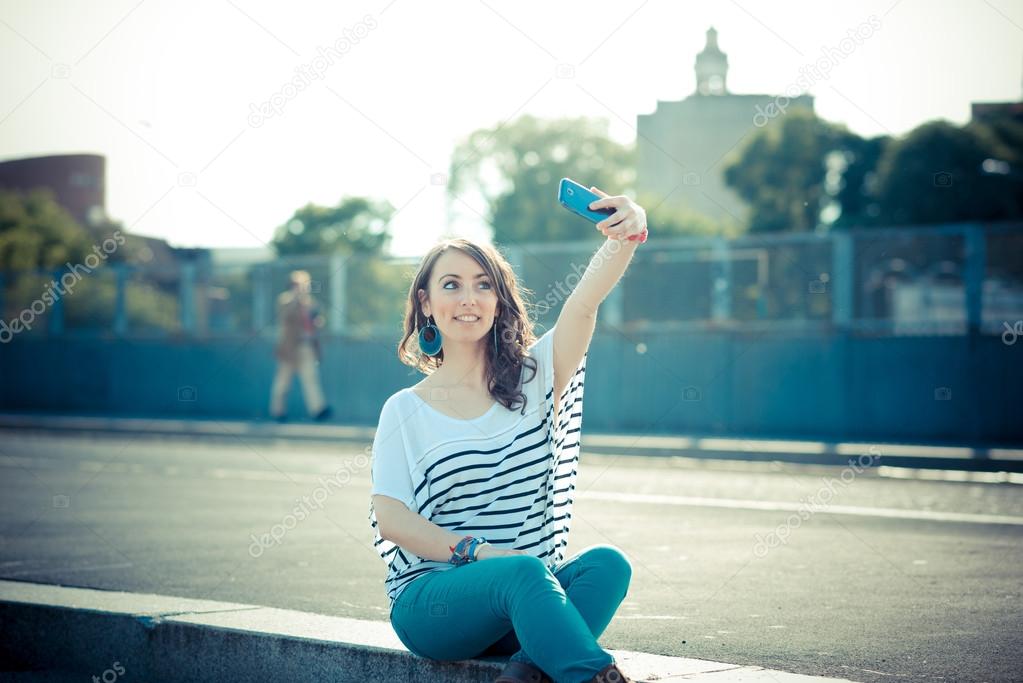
point(162, 470)
point(781, 506)
point(971, 476)
point(64, 569)
point(611, 496)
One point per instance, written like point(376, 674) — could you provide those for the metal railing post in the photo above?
point(338, 280)
point(842, 279)
point(973, 277)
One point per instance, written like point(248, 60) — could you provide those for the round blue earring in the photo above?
point(430, 340)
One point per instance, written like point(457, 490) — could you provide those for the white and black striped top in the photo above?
point(505, 476)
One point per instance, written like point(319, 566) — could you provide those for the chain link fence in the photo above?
point(936, 280)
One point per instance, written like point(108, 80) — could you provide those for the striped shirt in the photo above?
point(506, 476)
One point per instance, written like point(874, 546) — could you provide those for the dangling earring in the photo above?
point(495, 337)
point(430, 339)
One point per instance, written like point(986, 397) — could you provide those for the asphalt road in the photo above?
point(867, 577)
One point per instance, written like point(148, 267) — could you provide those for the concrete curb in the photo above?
point(948, 457)
point(162, 638)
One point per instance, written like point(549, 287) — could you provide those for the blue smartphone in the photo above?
point(577, 198)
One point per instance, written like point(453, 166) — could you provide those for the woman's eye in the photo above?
point(452, 282)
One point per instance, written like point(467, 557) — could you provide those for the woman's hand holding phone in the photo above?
point(628, 222)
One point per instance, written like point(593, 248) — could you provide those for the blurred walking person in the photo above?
point(298, 349)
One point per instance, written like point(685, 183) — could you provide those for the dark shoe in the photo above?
point(611, 674)
point(323, 414)
point(520, 672)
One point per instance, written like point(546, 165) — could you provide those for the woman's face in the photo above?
point(460, 286)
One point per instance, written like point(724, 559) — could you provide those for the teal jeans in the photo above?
point(516, 605)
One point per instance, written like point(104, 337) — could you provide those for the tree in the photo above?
point(803, 171)
point(781, 172)
point(514, 170)
point(934, 175)
point(39, 238)
point(1005, 134)
point(856, 189)
point(355, 225)
point(37, 232)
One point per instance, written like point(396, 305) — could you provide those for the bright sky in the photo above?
point(165, 89)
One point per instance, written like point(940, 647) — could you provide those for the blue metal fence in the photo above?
point(879, 334)
point(933, 280)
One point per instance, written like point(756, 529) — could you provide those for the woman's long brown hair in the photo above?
point(514, 327)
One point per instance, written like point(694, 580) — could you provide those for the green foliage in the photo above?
point(37, 232)
point(934, 175)
point(355, 225)
point(856, 191)
point(781, 172)
point(801, 171)
point(513, 171)
point(377, 289)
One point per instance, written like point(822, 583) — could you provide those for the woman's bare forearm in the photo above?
point(413, 532)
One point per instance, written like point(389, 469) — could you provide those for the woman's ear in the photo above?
point(423, 305)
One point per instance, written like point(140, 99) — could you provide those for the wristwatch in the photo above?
point(464, 551)
point(475, 548)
